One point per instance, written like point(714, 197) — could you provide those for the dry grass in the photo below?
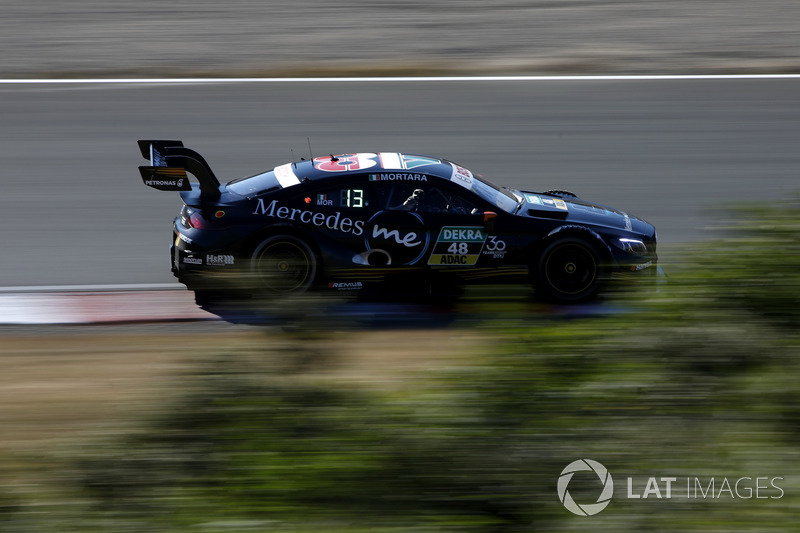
point(62, 389)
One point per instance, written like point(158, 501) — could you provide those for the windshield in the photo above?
point(254, 185)
point(493, 194)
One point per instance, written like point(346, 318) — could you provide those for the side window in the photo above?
point(422, 198)
point(441, 200)
point(394, 196)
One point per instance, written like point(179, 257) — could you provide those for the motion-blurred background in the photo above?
point(311, 37)
point(450, 421)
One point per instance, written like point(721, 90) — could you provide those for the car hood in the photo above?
point(572, 209)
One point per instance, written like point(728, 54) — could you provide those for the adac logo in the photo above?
point(587, 509)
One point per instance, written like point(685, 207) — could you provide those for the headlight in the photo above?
point(631, 246)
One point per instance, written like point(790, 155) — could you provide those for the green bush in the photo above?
point(699, 380)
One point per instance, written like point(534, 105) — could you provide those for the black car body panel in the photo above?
point(368, 219)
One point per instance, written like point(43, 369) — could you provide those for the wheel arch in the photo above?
point(588, 237)
point(252, 242)
point(577, 231)
point(300, 240)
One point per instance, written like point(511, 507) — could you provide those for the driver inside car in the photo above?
point(412, 203)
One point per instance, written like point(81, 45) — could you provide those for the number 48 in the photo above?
point(459, 248)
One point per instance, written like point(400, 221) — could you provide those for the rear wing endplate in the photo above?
point(169, 163)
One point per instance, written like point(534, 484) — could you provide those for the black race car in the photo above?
point(386, 223)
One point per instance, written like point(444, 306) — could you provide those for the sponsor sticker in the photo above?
point(495, 247)
point(167, 179)
point(193, 260)
point(395, 161)
point(165, 183)
point(462, 176)
point(458, 246)
point(637, 268)
point(335, 221)
point(345, 162)
point(414, 161)
point(219, 259)
point(400, 234)
point(346, 285)
point(533, 199)
point(398, 176)
point(552, 202)
point(286, 176)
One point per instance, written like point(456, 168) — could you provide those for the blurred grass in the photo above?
point(696, 380)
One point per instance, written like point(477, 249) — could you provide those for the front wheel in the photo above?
point(284, 264)
point(568, 271)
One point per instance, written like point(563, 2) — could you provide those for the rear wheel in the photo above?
point(284, 264)
point(568, 271)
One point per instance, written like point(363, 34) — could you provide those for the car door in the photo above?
point(336, 212)
point(456, 220)
point(396, 234)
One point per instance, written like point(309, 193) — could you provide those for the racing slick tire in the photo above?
point(569, 270)
point(284, 265)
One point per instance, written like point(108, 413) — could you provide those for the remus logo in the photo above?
point(588, 509)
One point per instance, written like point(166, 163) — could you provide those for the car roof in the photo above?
point(375, 166)
point(378, 165)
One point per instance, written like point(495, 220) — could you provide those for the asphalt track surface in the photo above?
point(75, 212)
point(187, 37)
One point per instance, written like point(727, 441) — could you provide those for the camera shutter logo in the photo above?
point(605, 496)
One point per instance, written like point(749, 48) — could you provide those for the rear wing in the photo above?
point(169, 162)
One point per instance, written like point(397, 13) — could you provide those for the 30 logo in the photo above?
point(605, 496)
point(494, 245)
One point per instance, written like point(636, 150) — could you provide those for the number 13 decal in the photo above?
point(352, 198)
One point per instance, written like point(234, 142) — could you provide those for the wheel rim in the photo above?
point(284, 266)
point(571, 269)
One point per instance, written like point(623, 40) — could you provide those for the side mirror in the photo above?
point(488, 221)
